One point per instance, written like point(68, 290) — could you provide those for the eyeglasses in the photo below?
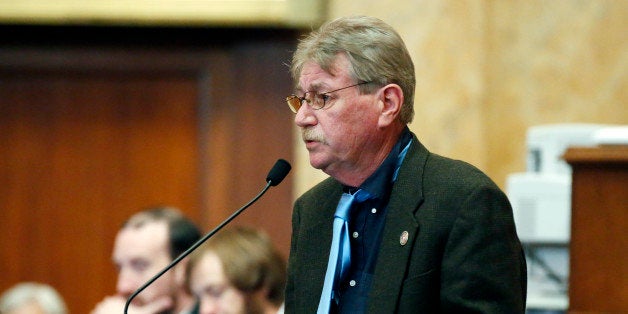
point(314, 100)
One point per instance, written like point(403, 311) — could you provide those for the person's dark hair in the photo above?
point(182, 232)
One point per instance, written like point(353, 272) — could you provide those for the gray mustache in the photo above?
point(310, 134)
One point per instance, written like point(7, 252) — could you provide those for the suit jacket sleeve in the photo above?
point(483, 268)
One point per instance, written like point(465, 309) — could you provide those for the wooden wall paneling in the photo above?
point(89, 135)
point(274, 118)
point(259, 124)
point(99, 149)
point(218, 143)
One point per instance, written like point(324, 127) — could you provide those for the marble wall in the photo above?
point(488, 70)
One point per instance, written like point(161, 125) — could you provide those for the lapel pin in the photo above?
point(403, 239)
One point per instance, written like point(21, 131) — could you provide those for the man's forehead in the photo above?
point(149, 238)
point(313, 77)
point(148, 229)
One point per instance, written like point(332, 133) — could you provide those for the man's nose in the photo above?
point(305, 116)
point(126, 283)
point(208, 306)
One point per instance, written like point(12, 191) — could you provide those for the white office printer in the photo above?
point(541, 196)
point(541, 200)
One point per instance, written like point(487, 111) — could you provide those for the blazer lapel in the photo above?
point(314, 251)
point(400, 230)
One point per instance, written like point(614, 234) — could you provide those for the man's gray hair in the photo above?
point(375, 50)
point(30, 292)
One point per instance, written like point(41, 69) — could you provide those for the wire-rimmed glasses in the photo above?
point(314, 99)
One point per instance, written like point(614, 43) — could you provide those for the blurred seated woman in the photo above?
point(238, 271)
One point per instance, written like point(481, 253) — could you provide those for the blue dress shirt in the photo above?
point(366, 226)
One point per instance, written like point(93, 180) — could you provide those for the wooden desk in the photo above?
point(599, 230)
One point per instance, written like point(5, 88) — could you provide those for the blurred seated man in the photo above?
point(238, 271)
point(148, 242)
point(32, 298)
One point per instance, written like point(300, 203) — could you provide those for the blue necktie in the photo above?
point(340, 252)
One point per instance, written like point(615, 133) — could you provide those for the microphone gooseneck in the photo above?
point(276, 174)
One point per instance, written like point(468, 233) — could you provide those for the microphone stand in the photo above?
point(196, 245)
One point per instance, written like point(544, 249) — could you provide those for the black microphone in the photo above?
point(276, 174)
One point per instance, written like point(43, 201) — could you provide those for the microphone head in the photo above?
point(278, 172)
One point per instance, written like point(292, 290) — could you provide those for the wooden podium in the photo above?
point(598, 280)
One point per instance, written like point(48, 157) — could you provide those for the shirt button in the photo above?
point(352, 283)
point(374, 210)
point(355, 234)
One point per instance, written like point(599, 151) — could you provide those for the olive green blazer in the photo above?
point(462, 254)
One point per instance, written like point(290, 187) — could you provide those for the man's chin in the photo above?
point(316, 164)
point(318, 159)
point(141, 303)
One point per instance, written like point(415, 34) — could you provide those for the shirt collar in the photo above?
point(379, 183)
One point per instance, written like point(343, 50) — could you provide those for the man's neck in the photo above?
point(185, 303)
point(354, 175)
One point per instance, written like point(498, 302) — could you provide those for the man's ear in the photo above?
point(391, 100)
